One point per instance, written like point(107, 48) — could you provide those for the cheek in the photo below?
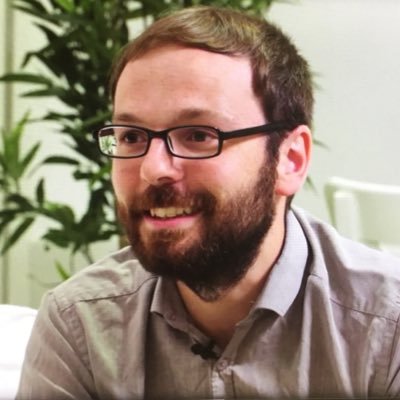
point(224, 180)
point(239, 165)
point(124, 177)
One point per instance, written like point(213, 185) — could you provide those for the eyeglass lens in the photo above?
point(190, 141)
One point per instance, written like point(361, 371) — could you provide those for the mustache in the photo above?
point(167, 196)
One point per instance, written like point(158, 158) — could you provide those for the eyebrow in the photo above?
point(126, 117)
point(186, 114)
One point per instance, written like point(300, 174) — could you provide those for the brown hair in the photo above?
point(281, 77)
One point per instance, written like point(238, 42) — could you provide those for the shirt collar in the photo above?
point(286, 276)
point(168, 303)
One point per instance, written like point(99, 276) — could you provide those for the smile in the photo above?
point(170, 212)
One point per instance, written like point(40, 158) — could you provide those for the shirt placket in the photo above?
point(221, 378)
point(222, 375)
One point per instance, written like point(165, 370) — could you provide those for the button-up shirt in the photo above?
point(325, 324)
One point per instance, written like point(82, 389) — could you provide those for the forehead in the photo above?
point(173, 78)
point(183, 67)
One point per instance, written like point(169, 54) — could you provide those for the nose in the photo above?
point(158, 166)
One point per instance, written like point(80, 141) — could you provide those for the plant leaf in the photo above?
point(320, 144)
point(26, 161)
point(40, 194)
point(60, 213)
point(19, 231)
point(64, 274)
point(52, 91)
point(6, 220)
point(57, 237)
point(60, 160)
point(22, 202)
point(34, 4)
point(67, 5)
point(26, 77)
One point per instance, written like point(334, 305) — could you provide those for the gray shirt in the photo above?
point(326, 324)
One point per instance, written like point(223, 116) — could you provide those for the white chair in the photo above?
point(366, 212)
point(15, 328)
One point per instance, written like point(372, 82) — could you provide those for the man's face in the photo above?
point(198, 221)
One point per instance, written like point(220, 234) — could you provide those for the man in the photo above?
point(234, 294)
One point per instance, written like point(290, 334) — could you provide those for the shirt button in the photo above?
point(222, 365)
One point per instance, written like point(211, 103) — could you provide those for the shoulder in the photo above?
point(351, 274)
point(117, 275)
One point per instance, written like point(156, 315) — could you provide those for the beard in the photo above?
point(229, 235)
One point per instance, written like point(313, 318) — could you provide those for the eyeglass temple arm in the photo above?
point(267, 128)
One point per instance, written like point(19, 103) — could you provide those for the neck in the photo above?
point(218, 318)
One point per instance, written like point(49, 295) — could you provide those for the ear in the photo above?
point(294, 161)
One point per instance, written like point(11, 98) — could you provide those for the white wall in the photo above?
point(353, 49)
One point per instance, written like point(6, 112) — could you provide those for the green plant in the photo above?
point(20, 211)
point(14, 167)
point(82, 39)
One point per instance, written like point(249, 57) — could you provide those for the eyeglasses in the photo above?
point(191, 141)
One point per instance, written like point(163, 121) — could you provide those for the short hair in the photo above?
point(281, 76)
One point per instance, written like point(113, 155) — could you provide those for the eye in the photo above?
point(199, 135)
point(132, 136)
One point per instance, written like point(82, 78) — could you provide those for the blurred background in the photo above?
point(352, 47)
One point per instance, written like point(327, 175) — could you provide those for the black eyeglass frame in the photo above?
point(222, 136)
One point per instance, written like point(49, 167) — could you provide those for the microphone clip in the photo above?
point(205, 352)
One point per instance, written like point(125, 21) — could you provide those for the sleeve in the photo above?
point(55, 365)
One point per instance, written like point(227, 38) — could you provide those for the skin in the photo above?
point(172, 86)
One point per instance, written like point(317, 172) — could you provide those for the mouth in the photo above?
point(170, 212)
point(170, 218)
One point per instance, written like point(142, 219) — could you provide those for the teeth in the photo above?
point(170, 212)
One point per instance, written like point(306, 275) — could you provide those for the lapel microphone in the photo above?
point(204, 351)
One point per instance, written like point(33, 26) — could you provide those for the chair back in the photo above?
point(366, 212)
